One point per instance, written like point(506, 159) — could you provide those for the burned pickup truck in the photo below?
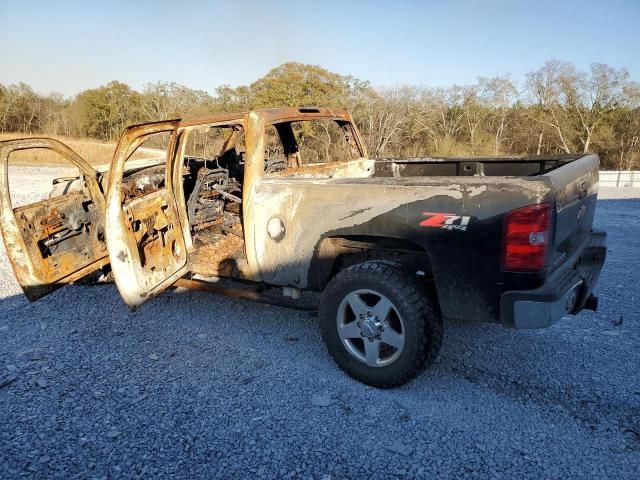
point(288, 198)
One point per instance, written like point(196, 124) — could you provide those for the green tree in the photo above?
point(297, 84)
point(105, 111)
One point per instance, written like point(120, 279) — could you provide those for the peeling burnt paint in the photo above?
point(353, 213)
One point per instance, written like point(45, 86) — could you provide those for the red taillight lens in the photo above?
point(526, 238)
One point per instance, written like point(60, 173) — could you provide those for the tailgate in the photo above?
point(575, 187)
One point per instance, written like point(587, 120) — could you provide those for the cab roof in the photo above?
point(275, 115)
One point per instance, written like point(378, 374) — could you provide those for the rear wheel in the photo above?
point(378, 325)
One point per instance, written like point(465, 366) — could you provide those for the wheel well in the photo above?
point(334, 254)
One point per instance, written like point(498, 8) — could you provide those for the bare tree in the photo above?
point(385, 115)
point(501, 95)
point(548, 86)
point(440, 114)
point(164, 100)
point(477, 107)
point(595, 96)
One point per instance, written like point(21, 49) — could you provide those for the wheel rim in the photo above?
point(370, 327)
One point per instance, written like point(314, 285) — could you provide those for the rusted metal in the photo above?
point(135, 281)
point(245, 292)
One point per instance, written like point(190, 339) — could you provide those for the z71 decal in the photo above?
point(448, 221)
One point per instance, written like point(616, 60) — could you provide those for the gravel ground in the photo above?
point(196, 385)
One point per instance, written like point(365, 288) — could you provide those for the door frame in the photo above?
point(130, 279)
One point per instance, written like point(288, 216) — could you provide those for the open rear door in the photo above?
point(58, 240)
point(144, 233)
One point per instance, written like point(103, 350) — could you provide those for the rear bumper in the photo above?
point(565, 292)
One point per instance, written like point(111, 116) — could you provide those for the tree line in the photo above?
point(558, 109)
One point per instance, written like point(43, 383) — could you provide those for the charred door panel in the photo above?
point(66, 232)
point(55, 241)
point(152, 223)
point(145, 234)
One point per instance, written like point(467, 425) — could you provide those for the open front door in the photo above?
point(144, 231)
point(57, 240)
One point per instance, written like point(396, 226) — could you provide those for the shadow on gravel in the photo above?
point(484, 354)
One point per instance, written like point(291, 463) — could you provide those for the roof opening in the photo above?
point(309, 110)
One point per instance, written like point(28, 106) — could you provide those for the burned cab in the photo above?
point(202, 218)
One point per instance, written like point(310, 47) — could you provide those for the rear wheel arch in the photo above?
point(336, 253)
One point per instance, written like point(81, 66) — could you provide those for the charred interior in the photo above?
point(213, 194)
point(63, 235)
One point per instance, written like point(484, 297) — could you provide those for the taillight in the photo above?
point(527, 232)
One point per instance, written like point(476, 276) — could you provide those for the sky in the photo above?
point(69, 46)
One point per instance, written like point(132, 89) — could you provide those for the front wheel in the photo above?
point(378, 325)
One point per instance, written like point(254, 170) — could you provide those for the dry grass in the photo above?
point(95, 152)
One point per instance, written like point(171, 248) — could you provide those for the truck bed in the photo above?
point(521, 166)
point(391, 198)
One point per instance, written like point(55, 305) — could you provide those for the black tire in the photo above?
point(421, 322)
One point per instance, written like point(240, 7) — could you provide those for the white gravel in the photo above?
point(611, 193)
point(197, 385)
